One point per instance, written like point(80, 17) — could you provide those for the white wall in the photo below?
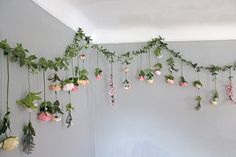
point(150, 121)
point(160, 120)
point(23, 21)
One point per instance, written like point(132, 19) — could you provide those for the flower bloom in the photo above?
point(75, 89)
point(141, 78)
point(169, 81)
point(98, 77)
point(68, 87)
point(45, 116)
point(183, 84)
point(10, 143)
point(55, 87)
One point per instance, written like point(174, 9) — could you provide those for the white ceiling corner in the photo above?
point(116, 21)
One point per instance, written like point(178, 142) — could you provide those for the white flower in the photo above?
point(214, 102)
point(157, 72)
point(68, 87)
point(126, 70)
point(126, 87)
point(10, 143)
point(150, 81)
point(56, 118)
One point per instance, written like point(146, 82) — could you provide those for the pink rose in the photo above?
point(45, 116)
point(141, 78)
point(75, 89)
point(183, 84)
point(98, 77)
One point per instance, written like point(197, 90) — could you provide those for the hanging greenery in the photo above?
point(9, 142)
point(28, 141)
point(198, 100)
point(69, 109)
point(29, 101)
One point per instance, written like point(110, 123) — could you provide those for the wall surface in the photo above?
point(24, 21)
point(150, 121)
point(159, 120)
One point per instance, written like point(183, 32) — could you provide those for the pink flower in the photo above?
point(83, 82)
point(45, 116)
point(75, 89)
point(55, 87)
point(98, 77)
point(141, 78)
point(183, 84)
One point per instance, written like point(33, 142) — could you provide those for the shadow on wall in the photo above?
point(142, 149)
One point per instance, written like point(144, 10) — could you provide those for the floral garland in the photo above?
point(49, 111)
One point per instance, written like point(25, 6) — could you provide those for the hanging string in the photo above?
point(29, 89)
point(77, 68)
point(141, 61)
point(72, 67)
point(149, 60)
point(97, 59)
point(8, 83)
point(182, 66)
point(215, 82)
point(111, 85)
point(83, 63)
point(44, 86)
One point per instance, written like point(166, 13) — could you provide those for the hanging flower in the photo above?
point(55, 87)
point(9, 143)
point(68, 86)
point(198, 99)
point(157, 68)
point(183, 82)
point(170, 79)
point(112, 91)
point(82, 56)
point(45, 116)
point(83, 77)
point(126, 69)
point(75, 89)
point(215, 98)
point(49, 111)
point(98, 73)
point(149, 76)
point(55, 109)
point(141, 75)
point(197, 84)
point(229, 90)
point(126, 84)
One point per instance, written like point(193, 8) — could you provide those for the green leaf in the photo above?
point(29, 100)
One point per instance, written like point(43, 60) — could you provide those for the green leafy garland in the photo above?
point(81, 42)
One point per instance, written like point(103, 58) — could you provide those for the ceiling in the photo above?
point(116, 21)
